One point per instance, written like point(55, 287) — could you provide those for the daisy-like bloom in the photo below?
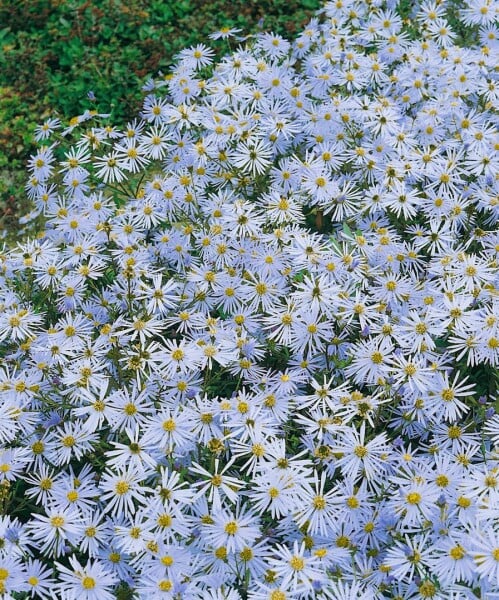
point(445, 396)
point(76, 158)
point(95, 532)
point(132, 155)
point(155, 144)
point(46, 129)
point(155, 109)
point(472, 271)
point(479, 12)
point(452, 561)
point(134, 535)
point(41, 163)
point(19, 324)
point(77, 491)
point(370, 359)
point(319, 294)
point(441, 32)
point(132, 454)
point(50, 533)
point(273, 591)
point(143, 327)
point(179, 357)
point(491, 428)
point(369, 458)
point(160, 297)
point(482, 483)
point(233, 531)
point(455, 438)
point(12, 576)
point(90, 582)
point(224, 33)
point(408, 557)
point(197, 56)
point(217, 484)
point(254, 158)
point(129, 407)
point(466, 343)
point(319, 186)
point(297, 568)
point(39, 581)
point(416, 502)
point(111, 167)
point(412, 371)
point(275, 45)
point(11, 463)
point(263, 291)
point(95, 409)
point(121, 491)
point(169, 431)
point(273, 492)
point(222, 353)
point(158, 586)
point(281, 209)
point(42, 481)
point(420, 330)
point(72, 440)
point(170, 559)
point(317, 509)
point(485, 554)
point(339, 590)
point(310, 333)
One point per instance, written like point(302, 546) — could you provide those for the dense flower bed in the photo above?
point(254, 353)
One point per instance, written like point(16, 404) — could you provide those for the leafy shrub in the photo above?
point(253, 353)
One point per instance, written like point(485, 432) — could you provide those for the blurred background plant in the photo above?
point(61, 57)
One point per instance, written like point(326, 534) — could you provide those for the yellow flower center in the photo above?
point(169, 425)
point(122, 487)
point(165, 585)
point(457, 552)
point(319, 502)
point(360, 451)
point(231, 528)
point(88, 583)
point(57, 521)
point(413, 498)
point(297, 563)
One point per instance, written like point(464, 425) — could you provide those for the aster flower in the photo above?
point(485, 554)
point(216, 483)
point(18, 324)
point(415, 502)
point(264, 332)
point(273, 492)
point(121, 491)
point(357, 454)
point(296, 567)
point(40, 582)
point(233, 531)
point(52, 531)
point(369, 360)
point(453, 562)
point(253, 158)
point(224, 33)
point(89, 582)
point(197, 56)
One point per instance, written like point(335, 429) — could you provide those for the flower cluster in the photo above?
point(254, 352)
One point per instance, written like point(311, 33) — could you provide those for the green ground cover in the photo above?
point(54, 52)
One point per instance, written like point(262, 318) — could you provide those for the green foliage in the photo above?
point(53, 52)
